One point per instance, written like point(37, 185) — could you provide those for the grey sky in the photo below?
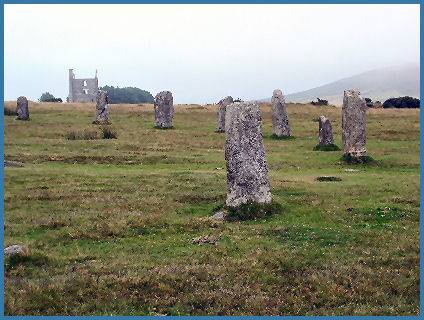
point(202, 52)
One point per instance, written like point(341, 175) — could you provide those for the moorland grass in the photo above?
point(109, 223)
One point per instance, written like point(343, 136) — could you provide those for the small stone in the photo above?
point(222, 105)
point(325, 132)
point(247, 167)
point(15, 250)
point(353, 124)
point(280, 119)
point(164, 110)
point(13, 164)
point(102, 112)
point(22, 109)
point(220, 215)
point(351, 170)
point(206, 239)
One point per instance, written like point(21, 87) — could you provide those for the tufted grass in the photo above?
point(110, 222)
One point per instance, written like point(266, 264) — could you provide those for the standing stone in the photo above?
point(325, 132)
point(247, 168)
point(22, 109)
point(164, 110)
point(353, 124)
point(102, 112)
point(222, 105)
point(280, 119)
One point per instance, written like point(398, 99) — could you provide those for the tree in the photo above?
point(127, 95)
point(48, 97)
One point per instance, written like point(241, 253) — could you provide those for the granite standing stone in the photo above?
point(353, 124)
point(222, 105)
point(22, 109)
point(325, 132)
point(247, 168)
point(164, 110)
point(102, 112)
point(280, 119)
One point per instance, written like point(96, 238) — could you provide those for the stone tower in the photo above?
point(82, 90)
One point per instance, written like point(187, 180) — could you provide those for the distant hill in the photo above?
point(379, 84)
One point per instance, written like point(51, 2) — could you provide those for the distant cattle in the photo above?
point(320, 102)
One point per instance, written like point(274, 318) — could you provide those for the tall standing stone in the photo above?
point(102, 112)
point(164, 110)
point(280, 119)
point(247, 168)
point(353, 124)
point(222, 105)
point(325, 132)
point(22, 109)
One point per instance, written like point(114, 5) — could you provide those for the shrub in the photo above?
point(357, 160)
point(10, 111)
point(108, 132)
point(253, 211)
point(328, 178)
point(275, 137)
point(82, 135)
point(328, 147)
point(402, 102)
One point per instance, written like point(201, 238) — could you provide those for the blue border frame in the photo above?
point(3, 2)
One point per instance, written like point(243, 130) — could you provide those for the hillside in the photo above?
point(378, 84)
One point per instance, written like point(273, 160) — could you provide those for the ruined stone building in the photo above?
point(82, 90)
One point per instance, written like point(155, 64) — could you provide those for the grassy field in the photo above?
point(109, 223)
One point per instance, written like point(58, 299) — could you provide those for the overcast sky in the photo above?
point(202, 52)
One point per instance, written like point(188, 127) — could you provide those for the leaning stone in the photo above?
point(222, 105)
point(15, 250)
point(353, 125)
point(22, 109)
point(102, 112)
point(280, 119)
point(164, 110)
point(247, 168)
point(325, 132)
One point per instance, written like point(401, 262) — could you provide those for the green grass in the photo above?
point(328, 147)
point(110, 223)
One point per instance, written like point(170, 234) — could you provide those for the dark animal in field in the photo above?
point(320, 102)
point(369, 102)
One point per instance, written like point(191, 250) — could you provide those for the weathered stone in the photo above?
point(206, 239)
point(220, 215)
point(22, 109)
point(325, 132)
point(247, 168)
point(15, 250)
point(164, 110)
point(102, 112)
point(222, 105)
point(280, 119)
point(13, 164)
point(353, 124)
